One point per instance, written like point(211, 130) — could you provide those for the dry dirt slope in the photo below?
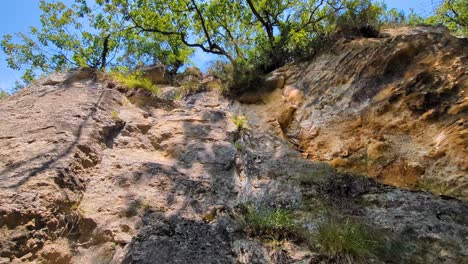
point(91, 175)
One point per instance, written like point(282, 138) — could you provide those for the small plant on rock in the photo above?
point(344, 241)
point(240, 121)
point(115, 115)
point(189, 87)
point(269, 223)
point(126, 102)
point(113, 246)
point(239, 146)
point(134, 81)
point(178, 95)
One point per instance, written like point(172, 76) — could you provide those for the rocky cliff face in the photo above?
point(392, 108)
point(89, 174)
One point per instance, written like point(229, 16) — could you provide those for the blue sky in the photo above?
point(18, 15)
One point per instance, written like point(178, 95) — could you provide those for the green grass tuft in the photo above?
point(240, 121)
point(345, 242)
point(270, 223)
point(115, 115)
point(134, 81)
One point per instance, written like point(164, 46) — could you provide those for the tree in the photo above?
point(81, 34)
point(70, 36)
point(255, 36)
point(453, 14)
point(3, 94)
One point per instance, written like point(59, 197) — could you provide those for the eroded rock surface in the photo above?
point(92, 175)
point(392, 108)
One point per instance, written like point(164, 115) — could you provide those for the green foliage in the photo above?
point(452, 14)
point(223, 71)
point(345, 241)
point(236, 80)
point(134, 81)
point(87, 33)
point(113, 246)
point(189, 87)
point(178, 95)
point(3, 94)
point(239, 146)
point(70, 36)
point(115, 115)
point(395, 18)
point(355, 15)
point(269, 223)
point(240, 121)
point(252, 37)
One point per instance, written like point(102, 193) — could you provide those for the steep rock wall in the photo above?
point(392, 108)
point(92, 175)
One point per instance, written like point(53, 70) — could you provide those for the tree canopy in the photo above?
point(248, 34)
point(453, 14)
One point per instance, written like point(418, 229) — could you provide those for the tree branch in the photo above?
point(213, 47)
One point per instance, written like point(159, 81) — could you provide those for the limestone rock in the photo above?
point(165, 181)
point(285, 116)
point(293, 95)
point(69, 77)
point(458, 108)
point(274, 82)
point(250, 252)
point(376, 150)
point(157, 73)
point(122, 238)
point(383, 89)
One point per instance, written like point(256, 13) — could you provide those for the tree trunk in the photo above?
point(105, 51)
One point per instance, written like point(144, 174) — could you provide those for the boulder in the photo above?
point(69, 77)
point(157, 73)
point(274, 82)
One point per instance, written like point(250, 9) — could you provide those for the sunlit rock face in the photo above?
point(393, 108)
point(94, 173)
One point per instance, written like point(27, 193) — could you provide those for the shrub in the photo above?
point(126, 102)
point(236, 80)
point(3, 94)
point(269, 223)
point(344, 241)
point(223, 71)
point(134, 81)
point(189, 87)
point(215, 85)
point(360, 17)
point(178, 95)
